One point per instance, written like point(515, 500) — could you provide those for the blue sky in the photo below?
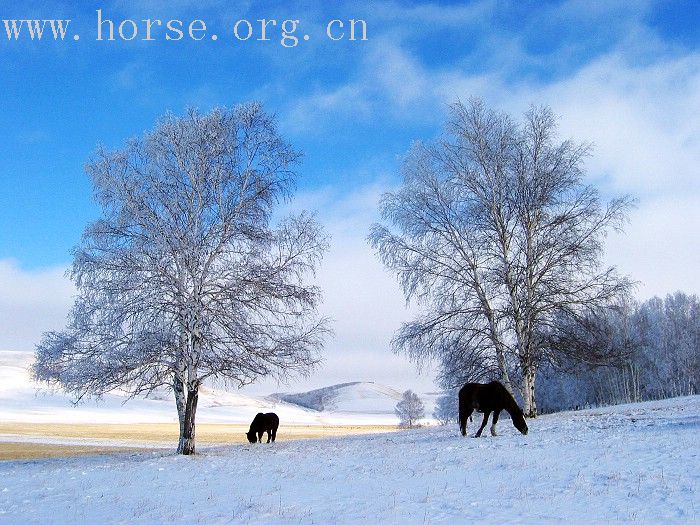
point(623, 74)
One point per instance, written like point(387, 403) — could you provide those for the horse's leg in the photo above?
point(274, 434)
point(260, 436)
point(483, 424)
point(463, 418)
point(493, 423)
point(269, 435)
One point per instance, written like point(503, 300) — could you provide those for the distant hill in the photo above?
point(355, 397)
point(359, 397)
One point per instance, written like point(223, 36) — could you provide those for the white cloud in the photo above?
point(643, 120)
point(639, 104)
point(390, 82)
point(31, 302)
point(658, 248)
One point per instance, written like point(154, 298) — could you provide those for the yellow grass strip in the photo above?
point(213, 434)
point(15, 451)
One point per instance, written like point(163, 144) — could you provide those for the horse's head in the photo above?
point(251, 436)
point(519, 421)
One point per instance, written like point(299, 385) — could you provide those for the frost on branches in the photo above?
point(496, 236)
point(446, 408)
point(185, 276)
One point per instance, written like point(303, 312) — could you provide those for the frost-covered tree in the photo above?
point(495, 234)
point(446, 408)
point(660, 357)
point(186, 276)
point(410, 409)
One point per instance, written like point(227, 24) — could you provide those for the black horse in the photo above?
point(263, 423)
point(491, 397)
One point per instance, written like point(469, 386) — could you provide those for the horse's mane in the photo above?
point(510, 404)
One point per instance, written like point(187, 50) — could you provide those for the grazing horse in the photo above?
point(491, 397)
point(263, 423)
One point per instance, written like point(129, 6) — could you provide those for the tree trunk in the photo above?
point(529, 392)
point(180, 402)
point(497, 343)
point(505, 377)
point(186, 444)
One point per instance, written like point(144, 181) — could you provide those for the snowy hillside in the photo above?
point(349, 403)
point(356, 397)
point(631, 463)
point(347, 397)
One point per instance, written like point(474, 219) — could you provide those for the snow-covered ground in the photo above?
point(631, 463)
point(357, 403)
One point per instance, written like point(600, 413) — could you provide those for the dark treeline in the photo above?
point(659, 346)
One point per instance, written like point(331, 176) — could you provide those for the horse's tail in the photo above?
point(462, 413)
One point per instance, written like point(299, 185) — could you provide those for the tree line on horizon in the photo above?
point(494, 234)
point(660, 358)
point(656, 355)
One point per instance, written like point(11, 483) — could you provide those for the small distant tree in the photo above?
point(446, 408)
point(410, 409)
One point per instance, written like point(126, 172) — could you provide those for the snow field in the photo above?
point(631, 463)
